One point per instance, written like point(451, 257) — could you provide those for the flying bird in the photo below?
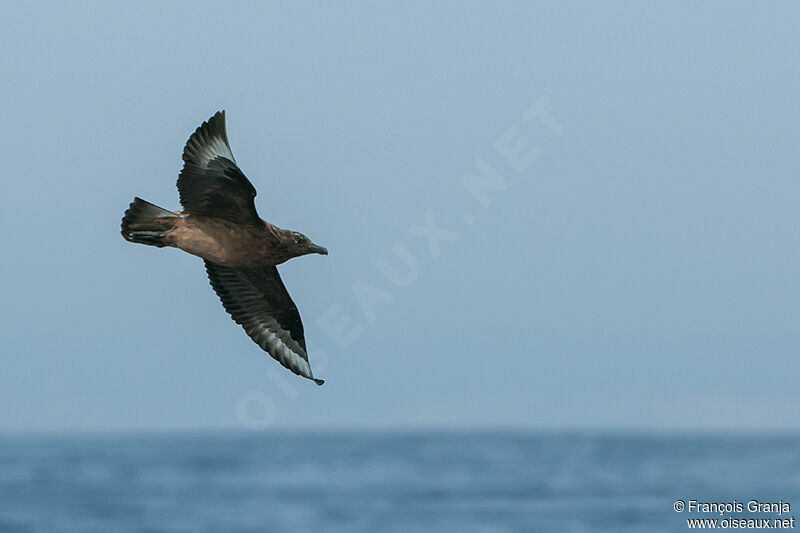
point(219, 223)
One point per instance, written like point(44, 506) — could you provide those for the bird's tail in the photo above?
point(146, 223)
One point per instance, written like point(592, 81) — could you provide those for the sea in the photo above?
point(427, 481)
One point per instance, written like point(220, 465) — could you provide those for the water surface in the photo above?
point(368, 482)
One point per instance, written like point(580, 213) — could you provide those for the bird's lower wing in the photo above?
point(258, 300)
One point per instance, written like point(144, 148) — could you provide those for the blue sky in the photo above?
point(630, 262)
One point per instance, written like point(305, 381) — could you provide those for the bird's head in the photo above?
point(298, 244)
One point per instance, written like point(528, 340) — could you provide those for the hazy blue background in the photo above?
point(642, 273)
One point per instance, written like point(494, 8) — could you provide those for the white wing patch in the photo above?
point(273, 338)
point(215, 147)
point(208, 142)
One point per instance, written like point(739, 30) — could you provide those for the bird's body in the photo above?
point(219, 223)
point(223, 242)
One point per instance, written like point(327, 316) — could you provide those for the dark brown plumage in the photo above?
point(219, 223)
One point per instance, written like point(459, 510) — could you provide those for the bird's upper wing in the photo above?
point(210, 183)
point(258, 300)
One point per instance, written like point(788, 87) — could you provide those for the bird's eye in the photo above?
point(298, 239)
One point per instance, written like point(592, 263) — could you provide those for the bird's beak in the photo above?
point(318, 249)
